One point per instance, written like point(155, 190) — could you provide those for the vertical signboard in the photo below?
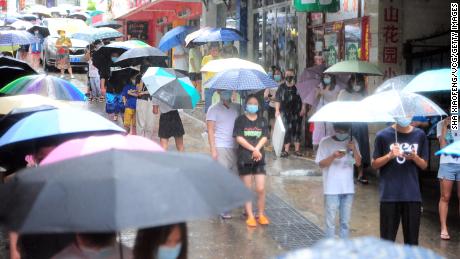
point(390, 37)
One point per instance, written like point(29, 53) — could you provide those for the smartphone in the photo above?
point(407, 153)
point(342, 151)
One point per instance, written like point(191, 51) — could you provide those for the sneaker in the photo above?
point(62, 76)
point(263, 220)
point(72, 77)
point(363, 180)
point(226, 215)
point(251, 222)
point(101, 100)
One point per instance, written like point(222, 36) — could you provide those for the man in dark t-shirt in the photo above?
point(400, 198)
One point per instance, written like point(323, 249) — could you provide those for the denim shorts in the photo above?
point(449, 171)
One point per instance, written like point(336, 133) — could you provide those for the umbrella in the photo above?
point(174, 37)
point(220, 65)
point(133, 188)
point(19, 113)
point(241, 79)
point(80, 15)
point(171, 87)
point(39, 10)
point(349, 111)
point(28, 17)
point(7, 28)
point(85, 146)
point(93, 34)
point(354, 66)
point(135, 56)
point(9, 38)
point(308, 83)
point(13, 62)
point(207, 34)
point(104, 52)
point(21, 25)
point(9, 20)
point(10, 103)
point(361, 248)
point(431, 81)
point(395, 83)
point(42, 30)
point(51, 86)
point(451, 149)
point(12, 73)
point(110, 24)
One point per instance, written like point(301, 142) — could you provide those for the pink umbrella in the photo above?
point(85, 146)
point(308, 83)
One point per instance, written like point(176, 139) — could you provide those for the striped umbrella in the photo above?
point(92, 34)
point(10, 38)
point(241, 79)
point(44, 85)
point(171, 87)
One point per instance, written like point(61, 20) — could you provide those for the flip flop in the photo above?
point(445, 236)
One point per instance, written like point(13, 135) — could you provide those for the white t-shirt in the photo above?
point(224, 119)
point(445, 159)
point(180, 62)
point(164, 108)
point(338, 177)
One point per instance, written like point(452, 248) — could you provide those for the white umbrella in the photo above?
point(22, 25)
point(349, 111)
point(220, 65)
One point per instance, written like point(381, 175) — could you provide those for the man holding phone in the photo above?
point(336, 156)
point(399, 164)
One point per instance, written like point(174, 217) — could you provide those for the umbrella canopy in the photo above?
point(28, 17)
point(12, 73)
point(92, 34)
point(21, 25)
point(308, 83)
point(80, 15)
point(354, 66)
point(171, 87)
point(174, 37)
point(13, 62)
point(16, 38)
point(104, 52)
point(361, 248)
point(431, 81)
point(402, 104)
point(207, 34)
point(39, 10)
point(51, 86)
point(135, 56)
point(10, 103)
point(349, 111)
point(85, 146)
point(42, 30)
point(67, 196)
point(58, 122)
point(9, 20)
point(17, 114)
point(220, 65)
point(241, 79)
point(395, 83)
point(450, 150)
point(110, 24)
point(7, 28)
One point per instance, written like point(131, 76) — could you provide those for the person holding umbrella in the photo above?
point(170, 125)
point(63, 44)
point(194, 66)
point(163, 242)
point(208, 93)
point(35, 49)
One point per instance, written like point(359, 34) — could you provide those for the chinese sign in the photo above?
point(365, 38)
point(138, 30)
point(390, 38)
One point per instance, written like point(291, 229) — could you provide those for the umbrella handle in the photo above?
point(120, 246)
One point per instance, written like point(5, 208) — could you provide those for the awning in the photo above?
point(165, 11)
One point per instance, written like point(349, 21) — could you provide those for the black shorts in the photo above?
point(170, 125)
point(195, 76)
point(251, 169)
point(271, 113)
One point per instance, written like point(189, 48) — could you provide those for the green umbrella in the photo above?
point(354, 66)
point(95, 12)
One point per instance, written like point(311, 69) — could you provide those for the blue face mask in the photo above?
point(277, 78)
point(165, 252)
point(341, 136)
point(114, 59)
point(327, 81)
point(403, 122)
point(252, 108)
point(226, 95)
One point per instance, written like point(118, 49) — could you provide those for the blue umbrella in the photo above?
point(206, 35)
point(93, 34)
point(10, 38)
point(10, 20)
point(431, 81)
point(58, 122)
point(174, 37)
point(452, 149)
point(241, 79)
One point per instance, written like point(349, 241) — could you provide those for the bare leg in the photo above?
point(247, 180)
point(260, 190)
point(62, 72)
point(179, 143)
point(446, 190)
point(70, 71)
point(287, 147)
point(164, 142)
point(297, 146)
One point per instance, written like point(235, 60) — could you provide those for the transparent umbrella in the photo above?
point(395, 83)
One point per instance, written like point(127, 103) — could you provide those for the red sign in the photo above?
point(365, 38)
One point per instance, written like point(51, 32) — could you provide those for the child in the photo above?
point(129, 95)
point(336, 156)
point(94, 79)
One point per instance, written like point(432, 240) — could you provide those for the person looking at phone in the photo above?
point(399, 162)
point(337, 154)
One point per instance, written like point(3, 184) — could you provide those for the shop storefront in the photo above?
point(275, 35)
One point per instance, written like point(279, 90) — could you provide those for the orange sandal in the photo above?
point(251, 222)
point(263, 220)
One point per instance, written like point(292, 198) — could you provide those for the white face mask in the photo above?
point(357, 87)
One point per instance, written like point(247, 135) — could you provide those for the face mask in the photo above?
point(326, 80)
point(290, 79)
point(226, 95)
point(252, 108)
point(165, 252)
point(114, 59)
point(403, 122)
point(36, 32)
point(341, 136)
point(356, 88)
point(270, 74)
point(277, 78)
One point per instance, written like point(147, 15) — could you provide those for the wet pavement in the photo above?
point(295, 206)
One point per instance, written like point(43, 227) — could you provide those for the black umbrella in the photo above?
point(115, 190)
point(28, 17)
point(42, 30)
point(119, 77)
point(135, 56)
point(17, 114)
point(111, 24)
point(12, 73)
point(13, 62)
